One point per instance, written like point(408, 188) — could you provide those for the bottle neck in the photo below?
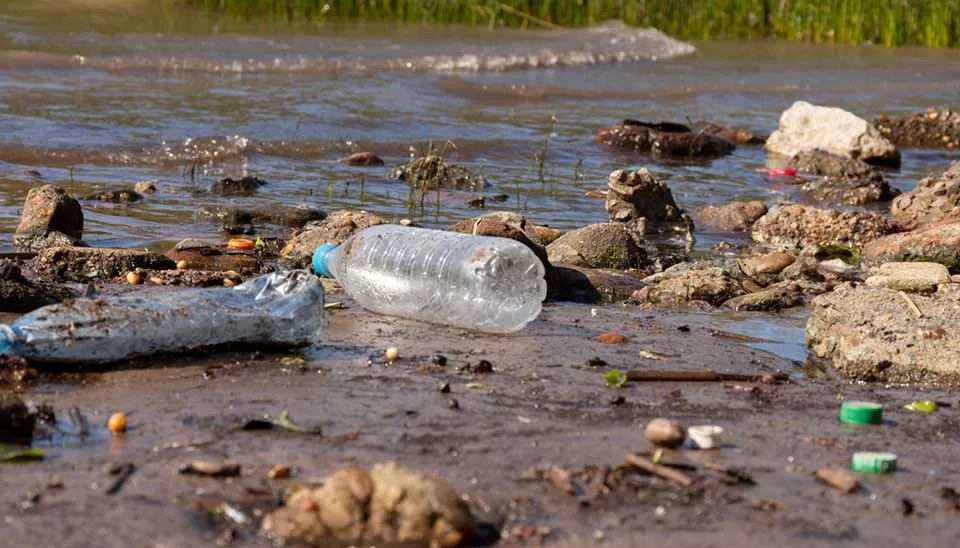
point(324, 259)
point(7, 339)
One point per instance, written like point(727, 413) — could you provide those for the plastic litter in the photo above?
point(877, 463)
point(277, 309)
point(481, 283)
point(859, 412)
point(705, 436)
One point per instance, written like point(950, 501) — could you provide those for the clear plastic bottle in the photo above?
point(281, 308)
point(483, 283)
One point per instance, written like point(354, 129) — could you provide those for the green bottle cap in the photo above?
point(874, 462)
point(861, 412)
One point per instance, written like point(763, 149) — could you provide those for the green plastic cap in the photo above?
point(877, 463)
point(861, 412)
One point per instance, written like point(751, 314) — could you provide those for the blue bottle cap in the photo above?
point(320, 260)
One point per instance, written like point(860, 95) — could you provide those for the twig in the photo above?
point(913, 306)
point(675, 476)
point(701, 376)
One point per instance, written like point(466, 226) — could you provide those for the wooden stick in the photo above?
point(913, 306)
point(700, 376)
point(664, 472)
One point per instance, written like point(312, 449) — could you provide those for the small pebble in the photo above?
point(182, 264)
point(665, 433)
point(392, 354)
point(134, 279)
point(117, 423)
point(227, 282)
point(279, 471)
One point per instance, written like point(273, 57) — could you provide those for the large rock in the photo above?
point(290, 216)
point(505, 224)
point(431, 172)
point(873, 334)
point(18, 294)
point(934, 198)
point(732, 217)
point(594, 285)
point(51, 218)
point(602, 245)
point(937, 242)
point(807, 127)
point(919, 277)
point(644, 202)
point(666, 138)
point(334, 229)
point(689, 282)
point(804, 226)
point(843, 181)
point(772, 298)
point(935, 128)
point(85, 264)
point(389, 505)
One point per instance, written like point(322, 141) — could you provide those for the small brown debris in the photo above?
point(134, 278)
point(665, 433)
point(279, 471)
point(839, 478)
point(362, 159)
point(611, 338)
point(664, 472)
point(563, 480)
point(212, 469)
point(117, 424)
point(392, 354)
point(182, 264)
point(452, 403)
point(596, 362)
point(444, 388)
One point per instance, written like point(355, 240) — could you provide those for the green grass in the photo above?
point(888, 22)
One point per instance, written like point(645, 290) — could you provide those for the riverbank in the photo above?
point(883, 22)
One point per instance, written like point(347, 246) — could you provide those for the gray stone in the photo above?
point(937, 242)
point(334, 229)
point(933, 199)
point(873, 334)
point(85, 264)
point(732, 217)
point(918, 277)
point(772, 298)
point(686, 283)
point(805, 226)
point(639, 199)
point(18, 294)
point(805, 126)
point(602, 245)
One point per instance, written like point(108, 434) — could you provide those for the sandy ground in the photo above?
point(542, 405)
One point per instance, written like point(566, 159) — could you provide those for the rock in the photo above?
point(772, 298)
point(362, 159)
point(919, 277)
point(872, 334)
point(16, 420)
point(432, 172)
point(390, 504)
point(18, 294)
point(804, 226)
point(334, 229)
point(688, 282)
point(665, 433)
point(732, 217)
point(933, 199)
point(937, 242)
point(83, 264)
point(837, 270)
point(845, 181)
point(115, 196)
point(505, 224)
point(646, 203)
point(203, 256)
point(935, 128)
point(289, 216)
point(188, 278)
point(736, 135)
point(547, 234)
point(771, 263)
point(664, 138)
point(51, 218)
point(807, 127)
point(593, 285)
point(145, 187)
point(243, 186)
point(602, 245)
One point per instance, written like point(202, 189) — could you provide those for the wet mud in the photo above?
point(540, 400)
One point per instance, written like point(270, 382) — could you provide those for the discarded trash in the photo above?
point(874, 462)
point(240, 243)
point(280, 308)
point(922, 406)
point(840, 479)
point(782, 172)
point(484, 283)
point(706, 436)
point(117, 424)
point(859, 412)
point(665, 433)
point(13, 453)
point(212, 469)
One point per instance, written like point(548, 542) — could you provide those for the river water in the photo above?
point(98, 95)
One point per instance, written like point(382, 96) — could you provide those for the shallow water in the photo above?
point(108, 96)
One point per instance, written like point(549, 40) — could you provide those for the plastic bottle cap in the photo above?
point(874, 462)
point(861, 412)
point(320, 260)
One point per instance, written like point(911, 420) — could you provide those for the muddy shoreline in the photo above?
point(543, 405)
